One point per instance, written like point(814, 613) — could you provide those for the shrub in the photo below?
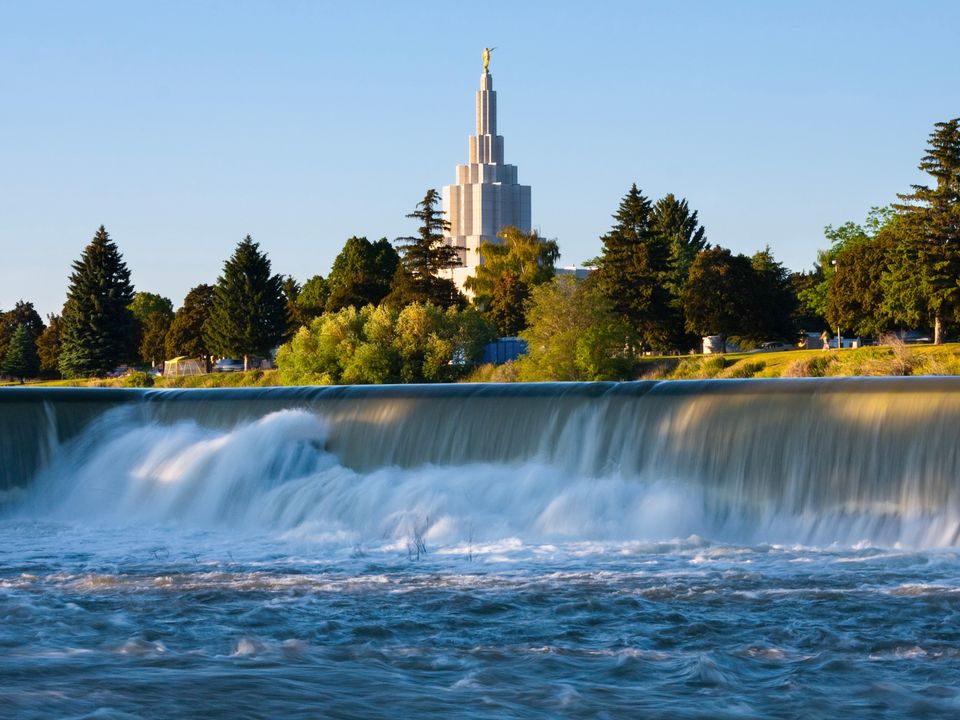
point(138, 380)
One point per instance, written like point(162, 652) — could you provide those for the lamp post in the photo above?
point(836, 268)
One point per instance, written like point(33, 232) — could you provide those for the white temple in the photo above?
point(486, 197)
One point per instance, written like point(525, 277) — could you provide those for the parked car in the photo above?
point(228, 365)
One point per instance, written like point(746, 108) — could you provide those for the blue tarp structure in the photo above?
point(503, 349)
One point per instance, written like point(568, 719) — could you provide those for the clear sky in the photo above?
point(183, 126)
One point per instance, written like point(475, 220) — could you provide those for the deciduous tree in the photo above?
point(361, 274)
point(185, 336)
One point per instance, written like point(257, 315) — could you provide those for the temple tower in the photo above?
point(486, 196)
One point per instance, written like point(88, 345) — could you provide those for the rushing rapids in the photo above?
point(678, 549)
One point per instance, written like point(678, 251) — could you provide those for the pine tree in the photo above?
point(424, 257)
point(672, 220)
point(923, 276)
point(99, 331)
point(23, 313)
point(249, 311)
point(21, 360)
point(631, 271)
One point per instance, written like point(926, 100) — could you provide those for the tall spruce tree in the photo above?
point(423, 257)
point(631, 271)
point(99, 331)
point(683, 234)
point(249, 311)
point(922, 282)
point(21, 360)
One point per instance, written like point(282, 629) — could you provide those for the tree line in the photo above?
point(657, 286)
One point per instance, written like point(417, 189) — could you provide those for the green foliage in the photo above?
point(312, 300)
point(145, 304)
point(137, 380)
point(507, 303)
point(420, 343)
point(154, 337)
point(526, 258)
point(24, 314)
point(248, 315)
point(632, 271)
point(20, 360)
point(48, 346)
point(771, 300)
point(424, 257)
point(574, 333)
point(672, 220)
point(716, 299)
point(99, 330)
point(361, 274)
point(921, 284)
point(185, 336)
point(856, 299)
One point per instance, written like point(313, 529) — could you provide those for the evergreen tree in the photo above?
point(185, 336)
point(423, 258)
point(249, 312)
point(23, 313)
point(770, 299)
point(672, 220)
point(922, 282)
point(361, 274)
point(48, 346)
point(99, 330)
point(21, 359)
point(632, 271)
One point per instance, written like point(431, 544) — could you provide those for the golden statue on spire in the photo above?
point(486, 58)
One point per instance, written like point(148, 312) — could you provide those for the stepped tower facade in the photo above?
point(486, 196)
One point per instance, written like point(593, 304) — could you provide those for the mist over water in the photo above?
point(698, 549)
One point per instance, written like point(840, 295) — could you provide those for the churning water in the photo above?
point(707, 549)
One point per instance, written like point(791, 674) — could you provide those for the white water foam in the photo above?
point(274, 474)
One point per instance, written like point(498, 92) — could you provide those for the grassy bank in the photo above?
point(870, 361)
point(904, 360)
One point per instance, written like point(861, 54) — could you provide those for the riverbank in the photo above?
point(870, 361)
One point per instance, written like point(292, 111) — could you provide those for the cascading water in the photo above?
point(484, 549)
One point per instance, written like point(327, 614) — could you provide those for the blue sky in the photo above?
point(183, 126)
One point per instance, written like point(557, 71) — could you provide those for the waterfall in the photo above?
point(804, 460)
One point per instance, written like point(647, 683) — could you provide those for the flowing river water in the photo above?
point(708, 549)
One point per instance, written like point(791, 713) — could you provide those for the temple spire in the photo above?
point(486, 196)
